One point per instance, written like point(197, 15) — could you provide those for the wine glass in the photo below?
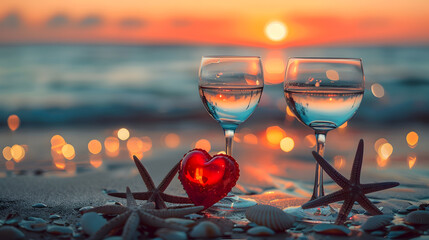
point(230, 88)
point(323, 93)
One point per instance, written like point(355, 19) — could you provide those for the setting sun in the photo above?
point(276, 31)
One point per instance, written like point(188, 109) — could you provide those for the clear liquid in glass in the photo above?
point(326, 109)
point(230, 106)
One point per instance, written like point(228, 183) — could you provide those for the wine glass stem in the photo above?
point(229, 136)
point(318, 178)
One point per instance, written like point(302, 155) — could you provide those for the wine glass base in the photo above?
point(324, 214)
point(233, 203)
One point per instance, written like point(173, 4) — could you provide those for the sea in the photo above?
point(70, 85)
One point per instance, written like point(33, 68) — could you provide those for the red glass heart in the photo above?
point(207, 179)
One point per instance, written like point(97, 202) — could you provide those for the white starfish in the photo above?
point(132, 215)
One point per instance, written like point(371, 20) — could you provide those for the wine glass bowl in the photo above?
point(230, 88)
point(323, 93)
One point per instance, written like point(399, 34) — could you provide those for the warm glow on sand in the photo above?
point(275, 134)
point(276, 31)
point(123, 134)
point(94, 146)
point(10, 165)
point(172, 140)
point(111, 144)
point(287, 144)
point(412, 139)
point(203, 144)
point(68, 151)
point(7, 153)
point(250, 139)
point(95, 161)
point(17, 152)
point(13, 122)
point(411, 158)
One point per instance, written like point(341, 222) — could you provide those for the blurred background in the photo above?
point(86, 84)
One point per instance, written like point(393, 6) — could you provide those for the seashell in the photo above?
point(169, 234)
point(378, 233)
point(419, 217)
point(270, 216)
point(377, 222)
point(331, 229)
point(39, 205)
point(181, 221)
point(205, 229)
point(91, 222)
point(12, 233)
point(260, 231)
point(12, 219)
point(54, 217)
point(59, 230)
point(33, 224)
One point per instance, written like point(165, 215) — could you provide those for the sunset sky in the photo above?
point(221, 22)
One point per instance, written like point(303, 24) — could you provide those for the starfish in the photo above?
point(155, 194)
point(352, 190)
point(132, 215)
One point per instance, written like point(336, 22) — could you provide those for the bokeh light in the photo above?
point(412, 139)
point(60, 163)
point(275, 134)
point(7, 153)
point(287, 144)
point(386, 150)
point(250, 139)
point(17, 152)
point(111, 144)
point(378, 144)
point(123, 134)
point(203, 144)
point(381, 162)
point(94, 146)
point(13, 122)
point(57, 143)
point(68, 151)
point(147, 143)
point(172, 140)
point(289, 112)
point(377, 90)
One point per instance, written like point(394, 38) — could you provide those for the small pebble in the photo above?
point(424, 206)
point(403, 211)
point(412, 208)
point(205, 229)
point(238, 230)
point(260, 231)
point(91, 222)
point(83, 209)
point(59, 230)
point(59, 222)
point(33, 224)
point(39, 205)
point(402, 234)
point(252, 224)
point(13, 219)
point(194, 216)
point(331, 229)
point(11, 233)
point(54, 217)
